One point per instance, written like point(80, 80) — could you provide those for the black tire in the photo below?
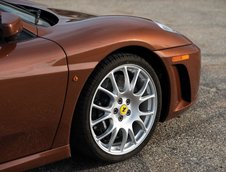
point(82, 141)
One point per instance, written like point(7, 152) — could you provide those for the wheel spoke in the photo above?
point(135, 78)
point(132, 136)
point(127, 81)
point(146, 113)
point(107, 92)
point(113, 137)
point(124, 139)
point(145, 98)
point(106, 133)
point(101, 119)
point(114, 84)
point(142, 125)
point(105, 109)
point(144, 87)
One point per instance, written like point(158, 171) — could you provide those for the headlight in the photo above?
point(164, 27)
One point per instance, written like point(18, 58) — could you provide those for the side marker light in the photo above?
point(180, 58)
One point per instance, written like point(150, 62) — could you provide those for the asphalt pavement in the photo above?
point(197, 140)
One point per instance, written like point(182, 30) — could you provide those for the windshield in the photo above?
point(22, 13)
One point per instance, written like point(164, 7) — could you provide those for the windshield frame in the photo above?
point(23, 13)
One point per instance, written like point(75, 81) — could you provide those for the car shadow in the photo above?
point(78, 164)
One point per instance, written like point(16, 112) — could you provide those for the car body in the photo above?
point(43, 74)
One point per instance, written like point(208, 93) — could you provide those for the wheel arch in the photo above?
point(66, 127)
point(142, 52)
point(155, 61)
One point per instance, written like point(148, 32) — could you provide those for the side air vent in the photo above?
point(184, 82)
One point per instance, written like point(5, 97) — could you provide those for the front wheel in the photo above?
point(118, 108)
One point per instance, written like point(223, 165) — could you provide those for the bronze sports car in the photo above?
point(73, 83)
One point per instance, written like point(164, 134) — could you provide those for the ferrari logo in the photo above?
point(123, 110)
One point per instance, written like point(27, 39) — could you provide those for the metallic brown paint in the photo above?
point(10, 24)
point(36, 160)
point(38, 90)
point(32, 96)
point(193, 67)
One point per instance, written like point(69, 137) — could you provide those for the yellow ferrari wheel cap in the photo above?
point(123, 110)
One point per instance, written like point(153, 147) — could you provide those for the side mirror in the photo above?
point(10, 25)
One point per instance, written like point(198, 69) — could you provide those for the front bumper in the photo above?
point(184, 77)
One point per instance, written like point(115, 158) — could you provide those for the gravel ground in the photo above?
point(197, 140)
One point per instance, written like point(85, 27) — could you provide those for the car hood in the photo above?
point(81, 28)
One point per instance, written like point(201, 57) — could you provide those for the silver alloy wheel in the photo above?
point(123, 109)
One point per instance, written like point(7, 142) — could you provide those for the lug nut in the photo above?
point(120, 101)
point(128, 113)
point(120, 118)
point(128, 101)
point(115, 111)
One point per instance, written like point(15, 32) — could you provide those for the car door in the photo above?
point(33, 80)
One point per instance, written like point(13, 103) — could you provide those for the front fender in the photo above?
point(97, 32)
